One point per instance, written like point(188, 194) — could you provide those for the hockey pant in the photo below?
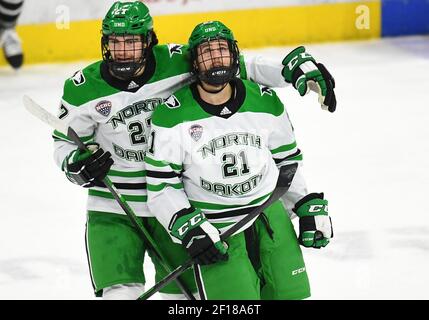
point(116, 252)
point(265, 262)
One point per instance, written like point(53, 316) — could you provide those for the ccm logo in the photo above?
point(190, 223)
point(297, 271)
point(294, 60)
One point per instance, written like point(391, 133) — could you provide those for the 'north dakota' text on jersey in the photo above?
point(231, 190)
point(224, 141)
point(133, 110)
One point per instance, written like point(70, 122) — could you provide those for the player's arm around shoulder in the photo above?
point(171, 59)
point(299, 69)
point(305, 74)
point(262, 70)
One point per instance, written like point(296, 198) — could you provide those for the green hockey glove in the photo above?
point(301, 70)
point(199, 237)
point(315, 226)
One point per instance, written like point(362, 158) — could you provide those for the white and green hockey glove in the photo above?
point(87, 168)
point(315, 225)
point(200, 238)
point(304, 73)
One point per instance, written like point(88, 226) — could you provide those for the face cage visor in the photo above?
point(125, 54)
point(216, 61)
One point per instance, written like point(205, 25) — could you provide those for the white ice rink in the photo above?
point(371, 158)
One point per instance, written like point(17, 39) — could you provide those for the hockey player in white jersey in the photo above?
point(216, 146)
point(109, 104)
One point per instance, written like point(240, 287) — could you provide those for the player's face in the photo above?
point(126, 48)
point(212, 54)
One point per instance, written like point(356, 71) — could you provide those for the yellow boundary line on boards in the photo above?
point(252, 28)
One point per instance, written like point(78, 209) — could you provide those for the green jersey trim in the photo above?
point(189, 110)
point(59, 136)
point(296, 158)
point(160, 164)
point(162, 186)
point(216, 206)
point(171, 60)
point(87, 85)
point(126, 197)
point(286, 147)
point(257, 100)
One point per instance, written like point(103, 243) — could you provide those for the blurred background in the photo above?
point(370, 157)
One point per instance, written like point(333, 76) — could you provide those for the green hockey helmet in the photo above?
point(209, 33)
point(125, 19)
point(209, 30)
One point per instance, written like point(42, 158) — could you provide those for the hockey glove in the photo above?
point(304, 73)
point(315, 226)
point(199, 237)
point(87, 168)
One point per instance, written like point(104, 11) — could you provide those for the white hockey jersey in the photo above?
point(117, 115)
point(224, 159)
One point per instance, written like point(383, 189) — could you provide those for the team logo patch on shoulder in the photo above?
point(196, 131)
point(63, 112)
point(78, 78)
point(174, 48)
point(265, 90)
point(172, 102)
point(104, 107)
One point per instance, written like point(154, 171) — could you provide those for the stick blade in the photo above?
point(36, 110)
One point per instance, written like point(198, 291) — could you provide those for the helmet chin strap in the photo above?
point(211, 91)
point(126, 70)
point(217, 76)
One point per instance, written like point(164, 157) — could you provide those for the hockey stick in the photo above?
point(284, 181)
point(42, 114)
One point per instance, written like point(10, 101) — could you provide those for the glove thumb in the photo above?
point(301, 85)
